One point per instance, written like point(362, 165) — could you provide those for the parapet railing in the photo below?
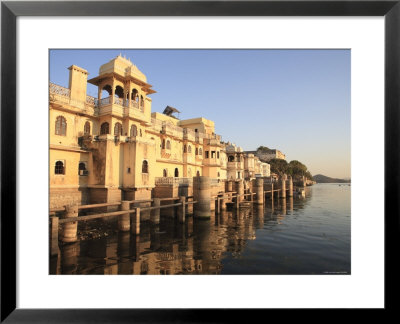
point(172, 181)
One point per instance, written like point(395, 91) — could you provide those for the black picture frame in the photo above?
point(10, 10)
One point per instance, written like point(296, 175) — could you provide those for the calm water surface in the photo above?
point(291, 236)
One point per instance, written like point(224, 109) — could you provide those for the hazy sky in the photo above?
point(297, 101)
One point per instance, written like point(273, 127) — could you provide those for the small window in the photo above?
point(59, 168)
point(140, 131)
point(195, 130)
point(198, 173)
point(145, 167)
point(231, 158)
point(61, 126)
point(217, 154)
point(82, 169)
point(184, 149)
point(165, 173)
point(206, 154)
point(219, 175)
point(213, 154)
point(189, 149)
point(200, 152)
point(133, 131)
point(196, 151)
point(118, 129)
point(104, 128)
point(128, 170)
point(86, 128)
point(176, 173)
point(163, 144)
point(168, 145)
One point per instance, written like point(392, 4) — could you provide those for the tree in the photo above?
point(263, 149)
point(279, 166)
point(297, 169)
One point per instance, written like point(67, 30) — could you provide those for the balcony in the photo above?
point(172, 130)
point(62, 96)
point(189, 134)
point(235, 165)
point(165, 153)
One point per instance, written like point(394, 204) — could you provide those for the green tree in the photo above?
point(263, 149)
point(297, 169)
point(279, 166)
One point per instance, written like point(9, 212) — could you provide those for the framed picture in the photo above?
point(32, 37)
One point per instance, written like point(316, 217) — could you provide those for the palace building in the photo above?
point(113, 147)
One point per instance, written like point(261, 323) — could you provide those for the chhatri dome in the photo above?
point(124, 67)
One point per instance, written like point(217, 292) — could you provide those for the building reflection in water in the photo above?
point(196, 247)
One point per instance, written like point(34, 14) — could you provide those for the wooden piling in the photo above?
point(124, 224)
point(70, 229)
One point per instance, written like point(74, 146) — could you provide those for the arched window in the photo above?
point(184, 148)
point(134, 95)
point(198, 173)
point(163, 144)
point(231, 158)
point(82, 166)
point(61, 126)
point(200, 152)
point(59, 168)
point(119, 92)
point(145, 167)
point(86, 128)
point(189, 149)
point(176, 173)
point(141, 102)
point(133, 131)
point(165, 173)
point(196, 151)
point(104, 128)
point(117, 129)
point(168, 145)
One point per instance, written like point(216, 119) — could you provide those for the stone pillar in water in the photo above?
point(259, 189)
point(283, 182)
point(124, 221)
point(202, 194)
point(240, 189)
point(69, 232)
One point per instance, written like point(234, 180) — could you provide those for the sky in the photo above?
point(296, 101)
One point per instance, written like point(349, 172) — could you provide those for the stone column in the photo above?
point(283, 182)
point(240, 189)
point(182, 209)
point(124, 224)
point(229, 186)
point(54, 235)
point(202, 194)
point(69, 232)
point(290, 186)
point(135, 221)
point(259, 189)
point(155, 213)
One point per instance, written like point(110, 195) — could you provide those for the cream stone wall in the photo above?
point(115, 163)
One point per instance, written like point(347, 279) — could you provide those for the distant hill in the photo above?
point(319, 178)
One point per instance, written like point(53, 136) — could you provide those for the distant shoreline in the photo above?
point(319, 178)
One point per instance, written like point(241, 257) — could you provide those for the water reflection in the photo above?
point(223, 244)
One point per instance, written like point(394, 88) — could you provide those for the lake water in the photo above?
point(287, 236)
